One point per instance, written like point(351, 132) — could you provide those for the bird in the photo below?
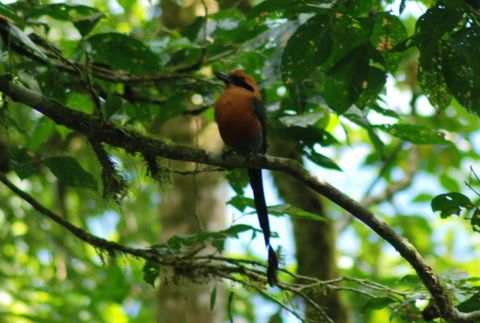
point(241, 118)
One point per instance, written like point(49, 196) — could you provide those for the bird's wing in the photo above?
point(261, 114)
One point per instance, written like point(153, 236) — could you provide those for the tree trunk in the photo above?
point(314, 241)
point(194, 203)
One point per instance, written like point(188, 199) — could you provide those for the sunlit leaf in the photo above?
point(388, 31)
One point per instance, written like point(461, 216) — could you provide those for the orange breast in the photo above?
point(238, 124)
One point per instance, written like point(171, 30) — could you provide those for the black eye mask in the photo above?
point(240, 81)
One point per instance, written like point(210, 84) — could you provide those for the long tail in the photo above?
point(262, 212)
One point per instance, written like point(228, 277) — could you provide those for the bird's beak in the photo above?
point(224, 77)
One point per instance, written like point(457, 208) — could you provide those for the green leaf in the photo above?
point(127, 5)
point(80, 102)
point(354, 80)
point(423, 197)
point(151, 270)
point(461, 67)
point(388, 31)
point(475, 220)
point(282, 209)
point(10, 14)
point(434, 23)
point(177, 242)
point(416, 229)
point(276, 318)
point(62, 11)
point(84, 18)
point(213, 298)
point(192, 31)
point(19, 38)
point(471, 304)
point(430, 29)
point(385, 112)
point(42, 131)
point(377, 142)
point(322, 160)
point(22, 162)
point(122, 52)
point(431, 77)
point(306, 49)
point(235, 230)
point(348, 33)
point(411, 280)
point(84, 26)
point(238, 179)
point(416, 134)
point(241, 202)
point(217, 238)
point(307, 136)
point(450, 203)
point(69, 171)
point(449, 183)
point(270, 7)
point(371, 87)
point(363, 122)
point(377, 304)
point(303, 120)
point(112, 105)
point(173, 107)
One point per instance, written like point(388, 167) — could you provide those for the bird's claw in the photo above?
point(227, 151)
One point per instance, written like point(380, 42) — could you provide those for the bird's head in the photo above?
point(239, 78)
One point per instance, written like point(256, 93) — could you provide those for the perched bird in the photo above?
point(241, 119)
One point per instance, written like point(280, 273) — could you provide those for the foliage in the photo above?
point(328, 69)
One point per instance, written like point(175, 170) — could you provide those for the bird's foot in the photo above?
point(228, 151)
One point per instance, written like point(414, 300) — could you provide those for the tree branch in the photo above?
point(196, 267)
point(133, 142)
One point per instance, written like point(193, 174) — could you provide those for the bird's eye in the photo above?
point(240, 81)
point(238, 78)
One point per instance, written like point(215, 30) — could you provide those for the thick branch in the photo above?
point(133, 142)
